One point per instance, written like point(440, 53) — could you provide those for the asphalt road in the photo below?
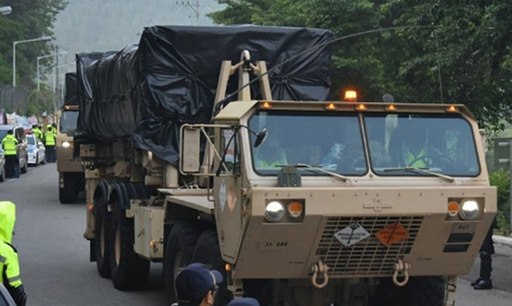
point(55, 265)
point(54, 256)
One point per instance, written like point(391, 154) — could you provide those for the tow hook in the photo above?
point(401, 271)
point(321, 268)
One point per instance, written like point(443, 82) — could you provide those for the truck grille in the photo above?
point(368, 257)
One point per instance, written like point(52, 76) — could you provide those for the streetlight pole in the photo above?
point(14, 43)
point(45, 56)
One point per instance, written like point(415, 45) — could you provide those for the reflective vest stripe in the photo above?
point(14, 279)
point(9, 145)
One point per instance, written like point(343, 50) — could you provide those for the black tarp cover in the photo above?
point(70, 98)
point(146, 92)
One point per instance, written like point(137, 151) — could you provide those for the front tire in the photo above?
point(419, 291)
point(207, 251)
point(178, 253)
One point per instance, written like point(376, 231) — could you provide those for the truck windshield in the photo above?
point(412, 144)
point(330, 141)
point(68, 122)
point(399, 143)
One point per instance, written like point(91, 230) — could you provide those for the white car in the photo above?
point(36, 151)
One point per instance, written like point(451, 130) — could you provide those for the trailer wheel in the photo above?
point(207, 251)
point(420, 291)
point(102, 235)
point(178, 253)
point(69, 193)
point(128, 270)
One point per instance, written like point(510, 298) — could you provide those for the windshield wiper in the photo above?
point(342, 177)
point(424, 170)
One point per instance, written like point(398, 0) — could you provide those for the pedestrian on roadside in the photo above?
point(12, 162)
point(49, 143)
point(484, 282)
point(196, 285)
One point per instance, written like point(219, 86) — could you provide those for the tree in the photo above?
point(453, 52)
point(29, 19)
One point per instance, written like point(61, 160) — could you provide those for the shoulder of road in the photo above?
point(502, 240)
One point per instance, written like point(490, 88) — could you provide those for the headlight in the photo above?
point(66, 144)
point(469, 209)
point(274, 211)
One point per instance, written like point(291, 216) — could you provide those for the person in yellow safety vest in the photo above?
point(49, 142)
point(414, 152)
point(9, 264)
point(11, 157)
point(37, 132)
point(270, 155)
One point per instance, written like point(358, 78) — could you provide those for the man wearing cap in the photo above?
point(196, 285)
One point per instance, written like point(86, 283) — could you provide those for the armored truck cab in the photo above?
point(346, 216)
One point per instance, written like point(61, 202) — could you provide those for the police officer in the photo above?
point(37, 132)
point(9, 264)
point(49, 143)
point(11, 158)
point(484, 281)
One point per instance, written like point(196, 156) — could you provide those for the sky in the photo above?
point(110, 25)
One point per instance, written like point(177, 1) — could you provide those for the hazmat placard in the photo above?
point(392, 233)
point(351, 234)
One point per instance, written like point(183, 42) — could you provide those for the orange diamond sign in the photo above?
point(392, 233)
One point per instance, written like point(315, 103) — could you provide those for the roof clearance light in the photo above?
point(361, 107)
point(350, 96)
point(391, 108)
point(330, 106)
point(452, 109)
point(266, 104)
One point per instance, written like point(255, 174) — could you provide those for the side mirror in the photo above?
point(190, 159)
point(260, 137)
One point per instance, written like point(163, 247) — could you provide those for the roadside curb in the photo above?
point(507, 241)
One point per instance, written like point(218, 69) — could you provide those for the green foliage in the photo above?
point(453, 52)
point(501, 179)
point(29, 19)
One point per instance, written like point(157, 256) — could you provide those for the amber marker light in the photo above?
point(330, 106)
point(227, 267)
point(361, 107)
point(266, 105)
point(391, 108)
point(453, 208)
point(90, 207)
point(350, 96)
point(452, 109)
point(295, 209)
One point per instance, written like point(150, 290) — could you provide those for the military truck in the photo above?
point(71, 173)
point(233, 156)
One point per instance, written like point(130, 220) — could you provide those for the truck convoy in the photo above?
point(218, 145)
point(71, 173)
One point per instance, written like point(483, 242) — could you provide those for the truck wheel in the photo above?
point(420, 291)
point(425, 291)
point(178, 253)
point(207, 251)
point(102, 235)
point(128, 270)
point(69, 193)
